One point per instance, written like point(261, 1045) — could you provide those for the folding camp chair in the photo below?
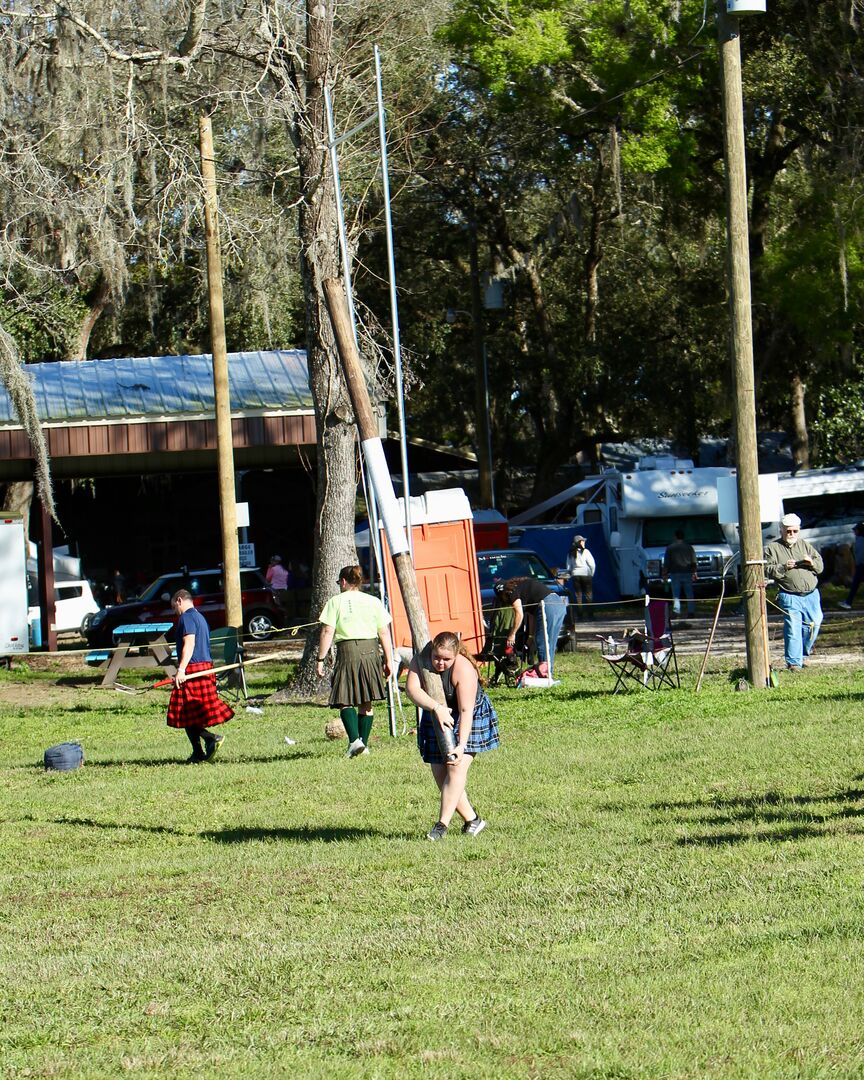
point(502, 662)
point(227, 648)
point(646, 657)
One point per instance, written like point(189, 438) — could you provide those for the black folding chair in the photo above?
point(645, 657)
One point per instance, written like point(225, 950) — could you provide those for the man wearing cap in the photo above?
point(580, 573)
point(795, 565)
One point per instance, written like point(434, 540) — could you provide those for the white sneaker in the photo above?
point(356, 748)
point(845, 605)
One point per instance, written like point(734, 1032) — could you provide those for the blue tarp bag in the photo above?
point(64, 757)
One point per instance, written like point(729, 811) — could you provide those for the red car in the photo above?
point(261, 613)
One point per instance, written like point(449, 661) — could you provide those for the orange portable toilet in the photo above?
point(445, 561)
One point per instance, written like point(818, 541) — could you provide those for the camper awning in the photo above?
point(530, 515)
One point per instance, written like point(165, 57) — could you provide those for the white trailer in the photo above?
point(14, 632)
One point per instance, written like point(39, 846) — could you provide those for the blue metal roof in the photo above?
point(84, 391)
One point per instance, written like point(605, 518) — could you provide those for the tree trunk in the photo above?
point(336, 465)
point(18, 498)
point(97, 301)
point(800, 438)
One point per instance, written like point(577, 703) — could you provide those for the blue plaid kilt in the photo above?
point(484, 731)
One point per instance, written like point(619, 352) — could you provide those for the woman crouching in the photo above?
point(468, 713)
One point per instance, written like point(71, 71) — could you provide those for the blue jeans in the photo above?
point(802, 617)
point(556, 609)
point(857, 578)
point(685, 582)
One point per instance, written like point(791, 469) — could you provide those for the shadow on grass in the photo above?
point(303, 835)
point(769, 816)
point(792, 832)
point(767, 798)
point(575, 695)
point(90, 823)
point(154, 763)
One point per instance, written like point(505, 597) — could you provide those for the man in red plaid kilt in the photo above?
point(194, 703)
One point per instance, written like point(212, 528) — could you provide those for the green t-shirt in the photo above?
point(354, 614)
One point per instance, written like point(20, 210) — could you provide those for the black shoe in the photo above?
point(196, 758)
point(437, 832)
point(793, 667)
point(213, 747)
point(475, 827)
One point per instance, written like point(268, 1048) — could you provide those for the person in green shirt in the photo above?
point(357, 623)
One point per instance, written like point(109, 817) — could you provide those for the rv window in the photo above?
point(590, 517)
point(702, 529)
point(826, 509)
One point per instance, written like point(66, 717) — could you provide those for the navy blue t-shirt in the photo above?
point(193, 622)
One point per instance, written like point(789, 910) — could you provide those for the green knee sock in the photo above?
point(349, 722)
point(365, 721)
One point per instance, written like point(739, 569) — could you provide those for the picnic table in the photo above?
point(151, 645)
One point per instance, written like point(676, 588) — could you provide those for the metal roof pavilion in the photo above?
point(157, 413)
point(163, 387)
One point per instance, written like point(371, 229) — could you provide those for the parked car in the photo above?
point(261, 614)
point(74, 606)
point(508, 563)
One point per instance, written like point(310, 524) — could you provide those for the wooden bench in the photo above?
point(152, 650)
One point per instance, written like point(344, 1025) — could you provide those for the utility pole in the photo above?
point(743, 381)
point(224, 436)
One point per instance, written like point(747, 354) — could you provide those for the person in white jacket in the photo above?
point(580, 572)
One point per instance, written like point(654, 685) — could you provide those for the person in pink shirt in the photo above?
point(279, 579)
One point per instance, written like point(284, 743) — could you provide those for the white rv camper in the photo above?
point(640, 510)
point(828, 501)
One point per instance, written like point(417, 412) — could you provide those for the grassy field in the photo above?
point(670, 886)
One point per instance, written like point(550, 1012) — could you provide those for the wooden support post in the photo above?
point(45, 572)
point(224, 434)
point(337, 306)
point(743, 380)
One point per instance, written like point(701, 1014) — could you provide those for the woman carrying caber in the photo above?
point(470, 715)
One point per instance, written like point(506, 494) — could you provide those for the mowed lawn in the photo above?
point(670, 886)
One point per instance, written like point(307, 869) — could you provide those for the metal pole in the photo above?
point(369, 494)
point(394, 303)
point(224, 436)
point(488, 426)
point(481, 388)
point(755, 614)
point(376, 561)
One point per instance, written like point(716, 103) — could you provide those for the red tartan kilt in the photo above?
point(195, 703)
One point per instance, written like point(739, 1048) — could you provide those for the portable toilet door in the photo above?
point(445, 562)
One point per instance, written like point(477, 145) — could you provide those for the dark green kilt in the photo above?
point(358, 675)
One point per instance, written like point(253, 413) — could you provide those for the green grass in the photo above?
point(670, 886)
